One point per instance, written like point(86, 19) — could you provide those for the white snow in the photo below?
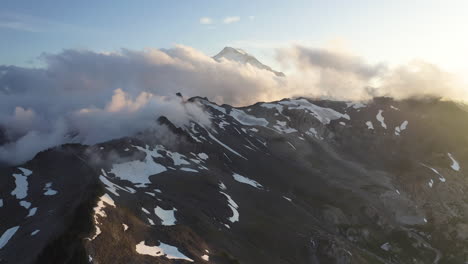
point(112, 187)
point(98, 211)
point(290, 144)
point(150, 221)
point(225, 146)
point(7, 236)
point(343, 123)
point(21, 181)
point(1, 203)
point(222, 186)
point(35, 232)
point(381, 119)
point(441, 178)
point(324, 115)
point(205, 257)
point(283, 128)
point(287, 198)
point(401, 127)
point(425, 220)
point(165, 250)
point(235, 214)
point(355, 105)
point(431, 182)
point(455, 165)
point(313, 133)
point(394, 108)
point(167, 216)
point(246, 180)
point(138, 172)
point(369, 125)
point(25, 204)
point(203, 156)
point(219, 108)
point(397, 191)
point(145, 211)
point(32, 212)
point(278, 107)
point(125, 227)
point(386, 246)
point(188, 169)
point(247, 119)
point(48, 189)
point(177, 158)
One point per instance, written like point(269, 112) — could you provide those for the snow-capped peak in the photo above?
point(240, 56)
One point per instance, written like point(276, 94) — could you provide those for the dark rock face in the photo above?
point(294, 181)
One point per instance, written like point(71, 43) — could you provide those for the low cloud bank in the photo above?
point(90, 97)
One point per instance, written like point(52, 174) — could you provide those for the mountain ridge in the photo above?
point(290, 181)
point(240, 56)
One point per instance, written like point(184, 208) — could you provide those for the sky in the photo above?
point(92, 71)
point(390, 31)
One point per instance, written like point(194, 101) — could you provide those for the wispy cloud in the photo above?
point(27, 23)
point(251, 17)
point(231, 19)
point(206, 20)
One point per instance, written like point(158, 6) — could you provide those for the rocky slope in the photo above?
point(293, 181)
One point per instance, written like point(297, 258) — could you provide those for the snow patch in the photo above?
point(381, 119)
point(246, 180)
point(99, 211)
point(21, 181)
point(455, 165)
point(35, 232)
point(48, 189)
point(167, 216)
point(401, 127)
point(32, 212)
point(355, 105)
point(203, 156)
point(324, 115)
point(225, 146)
point(138, 172)
point(369, 125)
point(7, 235)
point(165, 250)
point(188, 169)
point(386, 246)
point(25, 204)
point(235, 214)
point(247, 119)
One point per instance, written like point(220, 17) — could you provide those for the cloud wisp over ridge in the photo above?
point(206, 20)
point(89, 97)
point(231, 19)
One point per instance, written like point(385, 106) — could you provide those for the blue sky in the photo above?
point(391, 31)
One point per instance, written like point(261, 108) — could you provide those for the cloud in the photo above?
point(338, 75)
point(231, 19)
point(251, 17)
point(206, 20)
point(90, 97)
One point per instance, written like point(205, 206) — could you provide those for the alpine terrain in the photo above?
point(296, 181)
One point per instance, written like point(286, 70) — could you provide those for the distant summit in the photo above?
point(238, 55)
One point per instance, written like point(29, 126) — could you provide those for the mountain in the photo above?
point(292, 181)
point(240, 56)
